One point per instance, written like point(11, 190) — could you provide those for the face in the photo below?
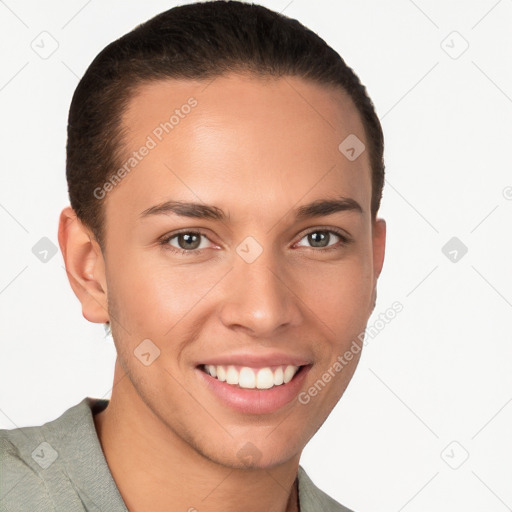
point(268, 276)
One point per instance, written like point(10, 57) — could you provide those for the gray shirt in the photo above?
point(60, 466)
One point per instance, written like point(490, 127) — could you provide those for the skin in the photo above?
point(257, 148)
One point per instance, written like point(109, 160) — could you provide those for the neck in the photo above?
point(161, 472)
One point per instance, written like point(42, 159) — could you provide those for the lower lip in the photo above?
point(255, 401)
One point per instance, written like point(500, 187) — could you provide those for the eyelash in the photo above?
point(345, 240)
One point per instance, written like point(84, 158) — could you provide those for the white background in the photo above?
point(440, 371)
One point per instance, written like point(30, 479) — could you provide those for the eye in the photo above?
point(321, 238)
point(185, 242)
point(194, 242)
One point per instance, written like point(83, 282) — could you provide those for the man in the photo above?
point(225, 171)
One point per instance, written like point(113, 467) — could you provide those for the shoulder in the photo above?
point(312, 499)
point(37, 463)
point(21, 486)
point(37, 447)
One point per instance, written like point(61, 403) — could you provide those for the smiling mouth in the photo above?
point(247, 377)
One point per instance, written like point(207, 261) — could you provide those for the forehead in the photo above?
point(270, 139)
point(249, 100)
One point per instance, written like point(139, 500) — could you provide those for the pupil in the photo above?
point(314, 239)
point(192, 241)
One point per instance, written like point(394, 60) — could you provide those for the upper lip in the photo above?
point(256, 360)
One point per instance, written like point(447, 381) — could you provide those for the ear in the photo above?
point(379, 249)
point(85, 266)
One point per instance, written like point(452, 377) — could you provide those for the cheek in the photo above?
point(154, 294)
point(340, 293)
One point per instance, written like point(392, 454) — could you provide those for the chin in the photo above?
point(258, 453)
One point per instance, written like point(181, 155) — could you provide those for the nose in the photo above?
point(259, 298)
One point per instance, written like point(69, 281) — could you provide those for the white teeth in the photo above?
point(249, 378)
point(232, 376)
point(265, 379)
point(220, 371)
point(278, 377)
point(289, 373)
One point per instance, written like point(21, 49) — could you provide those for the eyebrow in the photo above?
point(318, 208)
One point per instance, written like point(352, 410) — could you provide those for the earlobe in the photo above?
point(85, 266)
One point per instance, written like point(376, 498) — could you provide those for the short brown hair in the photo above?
point(195, 41)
